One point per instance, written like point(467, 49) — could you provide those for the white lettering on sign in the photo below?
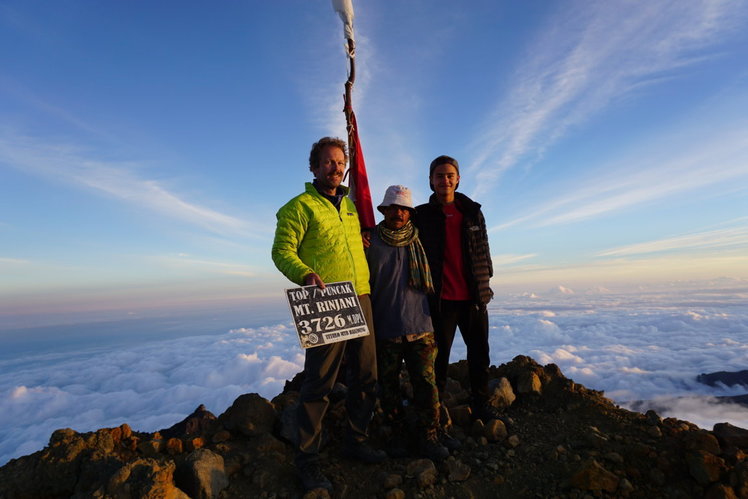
point(328, 315)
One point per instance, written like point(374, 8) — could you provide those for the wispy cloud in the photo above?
point(734, 237)
point(716, 158)
point(590, 56)
point(508, 259)
point(226, 268)
point(121, 182)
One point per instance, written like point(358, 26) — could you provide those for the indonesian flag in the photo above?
point(358, 180)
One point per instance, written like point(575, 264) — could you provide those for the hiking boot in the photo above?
point(447, 440)
point(311, 475)
point(363, 452)
point(431, 448)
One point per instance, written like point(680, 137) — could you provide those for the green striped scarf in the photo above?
point(407, 235)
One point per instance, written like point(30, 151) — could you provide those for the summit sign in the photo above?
point(329, 315)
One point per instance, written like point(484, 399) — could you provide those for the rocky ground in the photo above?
point(555, 439)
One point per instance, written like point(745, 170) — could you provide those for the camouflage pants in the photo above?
point(419, 356)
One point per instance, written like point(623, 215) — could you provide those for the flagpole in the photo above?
point(357, 178)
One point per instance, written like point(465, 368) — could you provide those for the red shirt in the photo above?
point(454, 284)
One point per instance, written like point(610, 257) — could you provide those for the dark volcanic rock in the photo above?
point(200, 421)
point(556, 439)
point(728, 378)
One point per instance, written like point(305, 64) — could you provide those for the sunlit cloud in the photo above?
point(121, 182)
point(590, 56)
point(627, 270)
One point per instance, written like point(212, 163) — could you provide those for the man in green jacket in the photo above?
point(318, 240)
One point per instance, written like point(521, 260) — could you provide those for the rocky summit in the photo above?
point(553, 438)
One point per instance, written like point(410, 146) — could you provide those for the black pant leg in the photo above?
point(444, 315)
point(473, 324)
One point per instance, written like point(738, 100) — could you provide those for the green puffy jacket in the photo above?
point(312, 236)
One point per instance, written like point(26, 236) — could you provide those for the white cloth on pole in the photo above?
point(345, 9)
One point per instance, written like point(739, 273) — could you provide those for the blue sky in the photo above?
point(146, 146)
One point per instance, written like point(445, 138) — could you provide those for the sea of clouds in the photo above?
point(642, 346)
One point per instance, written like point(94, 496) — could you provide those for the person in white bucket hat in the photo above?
point(400, 282)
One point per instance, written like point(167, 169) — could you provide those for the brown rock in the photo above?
point(192, 443)
point(395, 494)
point(720, 491)
point(174, 446)
point(250, 415)
point(426, 478)
point(126, 430)
point(514, 441)
point(151, 447)
point(200, 421)
point(131, 443)
point(592, 476)
point(221, 436)
point(739, 479)
point(391, 480)
point(461, 415)
point(528, 382)
point(731, 436)
point(455, 394)
point(424, 472)
point(500, 393)
point(419, 465)
point(457, 471)
point(704, 467)
point(202, 475)
point(495, 430)
point(267, 443)
point(701, 440)
point(654, 431)
point(317, 494)
point(144, 478)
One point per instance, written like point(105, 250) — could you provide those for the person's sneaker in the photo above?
point(312, 477)
point(363, 452)
point(448, 441)
point(432, 449)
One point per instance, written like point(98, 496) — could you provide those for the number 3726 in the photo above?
point(320, 324)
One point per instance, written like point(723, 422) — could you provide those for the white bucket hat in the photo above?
point(396, 194)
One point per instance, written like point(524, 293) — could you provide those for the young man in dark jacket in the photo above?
point(453, 234)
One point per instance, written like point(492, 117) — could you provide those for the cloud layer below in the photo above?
point(635, 347)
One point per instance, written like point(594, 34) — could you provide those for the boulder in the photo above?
point(704, 467)
point(202, 474)
point(200, 421)
point(731, 436)
point(592, 476)
point(500, 393)
point(249, 415)
point(144, 478)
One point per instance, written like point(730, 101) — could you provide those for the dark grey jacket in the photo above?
point(430, 220)
point(399, 309)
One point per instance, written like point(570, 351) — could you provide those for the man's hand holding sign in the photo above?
point(328, 314)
